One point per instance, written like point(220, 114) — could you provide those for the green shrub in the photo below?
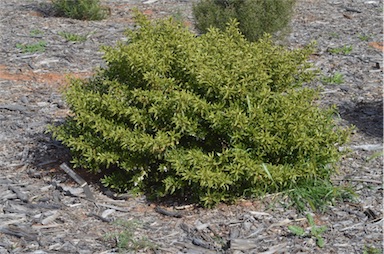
point(80, 9)
point(256, 17)
point(211, 118)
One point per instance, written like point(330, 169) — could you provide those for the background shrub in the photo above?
point(211, 118)
point(256, 17)
point(81, 9)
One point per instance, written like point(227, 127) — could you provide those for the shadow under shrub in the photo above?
point(213, 118)
point(255, 17)
point(80, 9)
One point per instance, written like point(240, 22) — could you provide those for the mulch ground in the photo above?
point(44, 210)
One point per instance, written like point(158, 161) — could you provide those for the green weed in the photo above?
point(73, 37)
point(371, 250)
point(35, 32)
point(318, 195)
point(345, 50)
point(337, 78)
point(32, 48)
point(126, 238)
point(178, 16)
point(375, 155)
point(334, 35)
point(316, 231)
point(364, 37)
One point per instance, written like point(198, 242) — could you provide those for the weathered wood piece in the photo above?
point(22, 196)
point(79, 180)
point(168, 213)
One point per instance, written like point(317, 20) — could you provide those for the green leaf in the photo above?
point(310, 220)
point(299, 231)
point(320, 242)
point(318, 230)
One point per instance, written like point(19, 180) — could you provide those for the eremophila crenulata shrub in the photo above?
point(210, 118)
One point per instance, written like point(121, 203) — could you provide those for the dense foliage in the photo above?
point(80, 9)
point(255, 17)
point(211, 118)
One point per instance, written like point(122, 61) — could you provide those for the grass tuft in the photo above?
point(337, 78)
point(345, 50)
point(32, 48)
point(36, 32)
point(73, 37)
point(318, 195)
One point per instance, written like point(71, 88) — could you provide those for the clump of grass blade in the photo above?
point(32, 48)
point(336, 79)
point(318, 195)
point(73, 37)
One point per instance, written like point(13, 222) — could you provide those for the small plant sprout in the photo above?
point(32, 48)
point(345, 50)
point(375, 155)
point(178, 16)
point(334, 35)
point(372, 250)
point(364, 37)
point(337, 78)
point(127, 239)
point(315, 231)
point(73, 37)
point(35, 33)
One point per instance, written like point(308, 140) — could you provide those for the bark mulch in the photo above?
point(46, 208)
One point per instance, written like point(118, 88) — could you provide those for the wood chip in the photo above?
point(79, 180)
point(280, 248)
point(113, 207)
point(100, 217)
point(168, 213)
point(107, 212)
point(243, 244)
point(281, 223)
point(150, 1)
point(51, 218)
